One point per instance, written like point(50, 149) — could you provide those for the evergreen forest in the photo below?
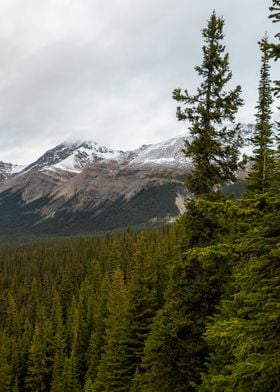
point(193, 306)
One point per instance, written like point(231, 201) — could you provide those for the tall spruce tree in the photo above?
point(175, 350)
point(96, 340)
point(214, 146)
point(70, 376)
point(142, 302)
point(114, 370)
point(260, 178)
point(58, 344)
point(39, 368)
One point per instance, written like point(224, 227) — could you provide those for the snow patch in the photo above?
point(17, 168)
point(69, 164)
point(168, 152)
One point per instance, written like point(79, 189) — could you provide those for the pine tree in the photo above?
point(77, 333)
point(5, 368)
point(58, 344)
point(114, 370)
point(88, 386)
point(243, 336)
point(39, 370)
point(175, 350)
point(260, 178)
point(57, 374)
point(70, 375)
point(96, 342)
point(214, 146)
point(143, 303)
point(12, 317)
point(81, 327)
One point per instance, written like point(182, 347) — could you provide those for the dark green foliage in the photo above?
point(5, 366)
point(244, 335)
point(275, 12)
point(114, 370)
point(57, 309)
point(274, 48)
point(58, 344)
point(70, 375)
point(175, 350)
point(262, 173)
point(96, 341)
point(214, 146)
point(39, 362)
point(143, 301)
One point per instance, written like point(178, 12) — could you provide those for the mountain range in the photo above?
point(83, 187)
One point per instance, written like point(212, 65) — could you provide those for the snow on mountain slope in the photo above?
point(72, 157)
point(167, 153)
point(17, 168)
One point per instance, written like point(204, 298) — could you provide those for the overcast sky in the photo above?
point(105, 70)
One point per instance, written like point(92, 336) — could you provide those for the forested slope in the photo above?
point(131, 311)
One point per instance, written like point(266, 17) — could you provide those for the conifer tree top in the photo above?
point(214, 146)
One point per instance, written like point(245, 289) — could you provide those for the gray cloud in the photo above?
point(105, 71)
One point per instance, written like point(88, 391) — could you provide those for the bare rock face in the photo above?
point(8, 170)
point(5, 170)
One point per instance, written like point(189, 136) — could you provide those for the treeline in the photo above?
point(192, 307)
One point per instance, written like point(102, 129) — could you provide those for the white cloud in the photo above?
point(105, 70)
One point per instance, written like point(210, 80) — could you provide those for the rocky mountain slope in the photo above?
point(84, 187)
point(7, 170)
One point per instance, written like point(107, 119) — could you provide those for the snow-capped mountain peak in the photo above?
point(72, 157)
point(75, 156)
